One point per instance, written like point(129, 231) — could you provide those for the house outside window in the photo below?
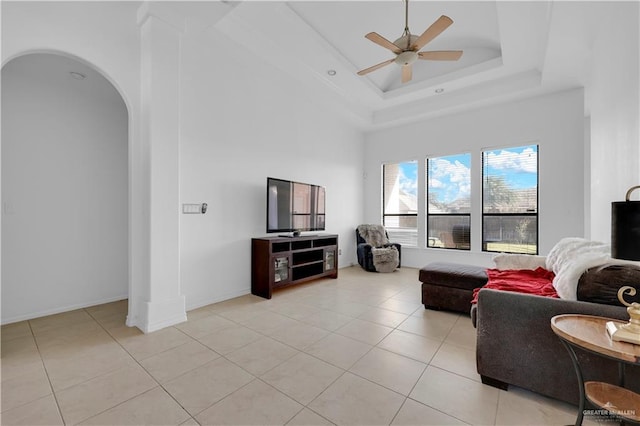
point(510, 200)
point(449, 202)
point(400, 202)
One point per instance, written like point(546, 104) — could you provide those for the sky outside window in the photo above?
point(517, 166)
point(408, 177)
point(449, 180)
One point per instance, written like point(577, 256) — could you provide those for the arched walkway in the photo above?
point(65, 187)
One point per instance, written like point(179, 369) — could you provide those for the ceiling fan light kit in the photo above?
point(408, 45)
point(406, 58)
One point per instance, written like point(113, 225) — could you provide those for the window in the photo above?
point(400, 202)
point(510, 200)
point(449, 202)
point(308, 207)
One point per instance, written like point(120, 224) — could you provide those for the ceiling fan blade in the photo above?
point(378, 39)
point(407, 73)
point(441, 24)
point(441, 55)
point(375, 67)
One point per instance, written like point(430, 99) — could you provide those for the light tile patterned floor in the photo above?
point(356, 350)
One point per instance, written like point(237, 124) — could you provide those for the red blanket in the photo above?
point(538, 282)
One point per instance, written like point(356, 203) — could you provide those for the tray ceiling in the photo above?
point(511, 50)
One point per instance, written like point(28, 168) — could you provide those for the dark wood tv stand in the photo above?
point(278, 262)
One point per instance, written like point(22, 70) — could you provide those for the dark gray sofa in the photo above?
point(516, 346)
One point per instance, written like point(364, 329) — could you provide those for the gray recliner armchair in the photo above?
point(365, 253)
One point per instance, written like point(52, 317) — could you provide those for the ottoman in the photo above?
point(450, 286)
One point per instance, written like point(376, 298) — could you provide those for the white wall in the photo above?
point(237, 128)
point(104, 35)
point(241, 121)
point(555, 122)
point(64, 188)
point(615, 113)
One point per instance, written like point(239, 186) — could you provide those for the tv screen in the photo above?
point(294, 206)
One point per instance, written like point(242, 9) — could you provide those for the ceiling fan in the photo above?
point(408, 45)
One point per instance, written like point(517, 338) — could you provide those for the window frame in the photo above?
point(386, 215)
point(427, 215)
point(536, 214)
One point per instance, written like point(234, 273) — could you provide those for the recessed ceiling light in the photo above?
point(331, 72)
point(77, 75)
point(439, 90)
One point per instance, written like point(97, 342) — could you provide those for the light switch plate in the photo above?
point(191, 208)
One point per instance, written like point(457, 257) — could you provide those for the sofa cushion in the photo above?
point(601, 284)
point(454, 275)
point(506, 261)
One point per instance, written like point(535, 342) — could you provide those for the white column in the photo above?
point(160, 303)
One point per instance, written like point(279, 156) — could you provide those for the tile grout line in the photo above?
point(46, 371)
point(427, 364)
point(366, 353)
point(303, 351)
point(495, 414)
point(160, 385)
point(271, 309)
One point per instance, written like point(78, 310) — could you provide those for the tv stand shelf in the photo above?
point(278, 262)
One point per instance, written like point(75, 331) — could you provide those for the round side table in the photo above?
point(589, 333)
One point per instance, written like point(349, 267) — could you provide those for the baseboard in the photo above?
point(161, 314)
point(60, 310)
point(200, 302)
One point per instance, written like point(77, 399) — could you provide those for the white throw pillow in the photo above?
point(506, 261)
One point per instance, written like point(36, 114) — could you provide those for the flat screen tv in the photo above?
point(294, 206)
